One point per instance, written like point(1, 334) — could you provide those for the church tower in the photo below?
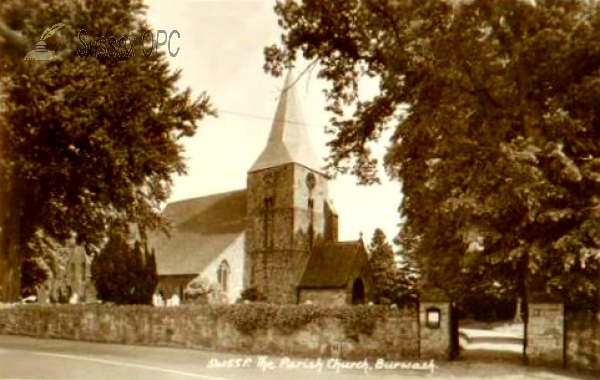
point(286, 205)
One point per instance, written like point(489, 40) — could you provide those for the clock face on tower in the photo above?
point(311, 181)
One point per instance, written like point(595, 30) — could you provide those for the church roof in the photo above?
point(202, 228)
point(331, 265)
point(289, 141)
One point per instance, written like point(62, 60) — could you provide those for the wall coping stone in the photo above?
point(544, 298)
point(435, 295)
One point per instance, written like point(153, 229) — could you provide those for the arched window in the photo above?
point(73, 273)
point(83, 271)
point(223, 275)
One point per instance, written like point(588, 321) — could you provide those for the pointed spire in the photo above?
point(289, 141)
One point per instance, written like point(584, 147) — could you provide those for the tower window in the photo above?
point(311, 204)
point(268, 223)
point(83, 271)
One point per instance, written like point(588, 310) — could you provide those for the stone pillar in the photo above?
point(545, 332)
point(434, 325)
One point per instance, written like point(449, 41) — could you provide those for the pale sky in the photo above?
point(221, 52)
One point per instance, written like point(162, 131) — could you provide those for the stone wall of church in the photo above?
point(302, 215)
point(277, 269)
point(271, 274)
point(270, 183)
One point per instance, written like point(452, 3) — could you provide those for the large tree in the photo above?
point(498, 143)
point(84, 140)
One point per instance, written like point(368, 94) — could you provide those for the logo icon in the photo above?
point(40, 53)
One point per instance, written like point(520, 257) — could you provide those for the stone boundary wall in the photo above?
point(395, 334)
point(582, 340)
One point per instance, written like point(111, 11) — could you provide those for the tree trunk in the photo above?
point(11, 259)
point(10, 252)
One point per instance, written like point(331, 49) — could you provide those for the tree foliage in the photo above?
point(383, 267)
point(125, 273)
point(499, 136)
point(84, 140)
point(50, 257)
point(394, 283)
point(33, 277)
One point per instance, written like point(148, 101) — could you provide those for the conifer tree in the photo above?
point(394, 281)
point(146, 277)
point(124, 274)
point(384, 269)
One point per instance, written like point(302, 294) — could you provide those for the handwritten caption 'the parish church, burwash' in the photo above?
point(265, 363)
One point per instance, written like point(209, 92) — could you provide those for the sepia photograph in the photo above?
point(299, 189)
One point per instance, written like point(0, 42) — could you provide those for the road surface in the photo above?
point(23, 358)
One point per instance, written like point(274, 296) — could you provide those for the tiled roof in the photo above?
point(332, 264)
point(202, 229)
point(289, 141)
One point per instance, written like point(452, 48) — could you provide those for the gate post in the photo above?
point(435, 327)
point(545, 331)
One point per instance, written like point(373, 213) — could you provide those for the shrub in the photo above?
point(252, 295)
point(123, 274)
point(202, 291)
point(289, 318)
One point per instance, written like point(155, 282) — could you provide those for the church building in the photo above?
point(279, 235)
